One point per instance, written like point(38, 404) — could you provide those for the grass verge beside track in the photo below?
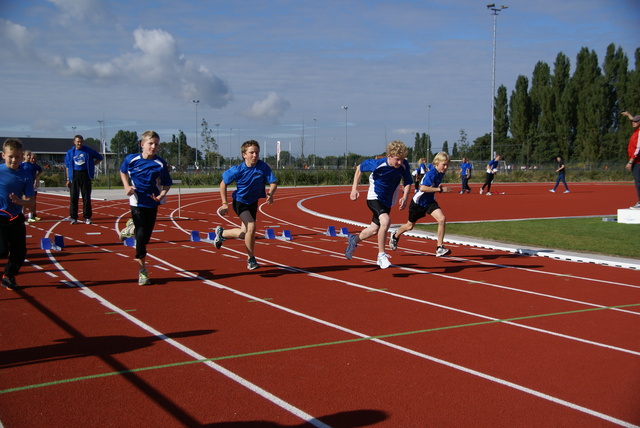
point(591, 235)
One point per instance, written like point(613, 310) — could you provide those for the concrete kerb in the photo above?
point(499, 246)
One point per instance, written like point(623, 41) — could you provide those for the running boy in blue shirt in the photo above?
point(16, 191)
point(250, 176)
point(386, 175)
point(424, 202)
point(150, 183)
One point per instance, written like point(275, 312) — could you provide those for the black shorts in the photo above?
point(240, 207)
point(377, 208)
point(416, 212)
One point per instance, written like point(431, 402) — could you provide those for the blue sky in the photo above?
point(282, 70)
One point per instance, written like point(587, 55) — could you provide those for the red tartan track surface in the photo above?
point(482, 338)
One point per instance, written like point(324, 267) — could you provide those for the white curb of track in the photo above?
point(459, 240)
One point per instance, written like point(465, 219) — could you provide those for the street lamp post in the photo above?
point(429, 132)
point(196, 102)
point(492, 7)
point(218, 144)
point(179, 150)
point(314, 143)
point(346, 141)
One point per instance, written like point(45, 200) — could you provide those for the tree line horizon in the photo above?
point(556, 113)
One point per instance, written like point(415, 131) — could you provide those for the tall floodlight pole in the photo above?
point(346, 141)
point(492, 7)
point(196, 102)
point(429, 132)
point(102, 137)
point(218, 144)
point(314, 143)
point(179, 150)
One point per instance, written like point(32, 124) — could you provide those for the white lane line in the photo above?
point(73, 282)
point(470, 371)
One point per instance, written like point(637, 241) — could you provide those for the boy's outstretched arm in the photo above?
point(354, 189)
point(405, 196)
point(224, 208)
point(128, 189)
point(271, 192)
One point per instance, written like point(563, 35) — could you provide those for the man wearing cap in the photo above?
point(633, 150)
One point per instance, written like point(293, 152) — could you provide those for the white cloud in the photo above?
point(74, 11)
point(17, 37)
point(270, 109)
point(155, 60)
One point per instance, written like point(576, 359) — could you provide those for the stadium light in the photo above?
point(492, 7)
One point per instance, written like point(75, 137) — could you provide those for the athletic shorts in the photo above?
point(377, 208)
point(416, 211)
point(239, 208)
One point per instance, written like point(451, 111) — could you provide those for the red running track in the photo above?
point(481, 338)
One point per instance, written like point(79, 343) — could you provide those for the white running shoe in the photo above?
point(128, 230)
point(143, 278)
point(218, 240)
point(441, 251)
point(393, 242)
point(383, 261)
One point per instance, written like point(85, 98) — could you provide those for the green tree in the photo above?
point(445, 147)
point(501, 140)
point(209, 143)
point(588, 84)
point(520, 113)
point(542, 114)
point(124, 143)
point(564, 115)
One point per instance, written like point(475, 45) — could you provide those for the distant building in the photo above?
point(51, 151)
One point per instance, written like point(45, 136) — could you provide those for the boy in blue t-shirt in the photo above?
point(424, 202)
point(16, 191)
point(465, 174)
point(250, 176)
point(150, 183)
point(29, 163)
point(386, 175)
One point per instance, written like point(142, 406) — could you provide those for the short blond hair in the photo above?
point(149, 134)
point(441, 157)
point(397, 148)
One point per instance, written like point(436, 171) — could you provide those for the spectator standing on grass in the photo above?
point(80, 162)
point(250, 176)
point(30, 164)
point(560, 169)
point(633, 152)
point(492, 170)
point(386, 175)
point(465, 174)
point(16, 191)
point(148, 188)
point(424, 202)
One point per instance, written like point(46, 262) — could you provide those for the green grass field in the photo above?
point(589, 235)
